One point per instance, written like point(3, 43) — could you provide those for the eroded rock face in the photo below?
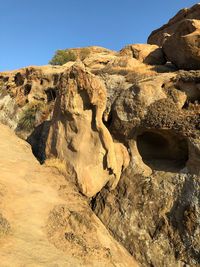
point(27, 99)
point(155, 207)
point(44, 220)
point(149, 54)
point(116, 122)
point(159, 36)
point(77, 132)
point(156, 218)
point(183, 47)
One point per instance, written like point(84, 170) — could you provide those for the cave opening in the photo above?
point(27, 89)
point(51, 94)
point(19, 79)
point(163, 150)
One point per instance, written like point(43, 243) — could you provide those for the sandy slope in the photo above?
point(41, 223)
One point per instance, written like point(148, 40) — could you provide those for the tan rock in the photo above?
point(194, 156)
point(149, 54)
point(98, 61)
point(183, 47)
point(132, 105)
point(159, 36)
point(90, 51)
point(129, 114)
point(77, 132)
point(44, 220)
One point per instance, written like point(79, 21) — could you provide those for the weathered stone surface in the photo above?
point(155, 207)
point(44, 220)
point(146, 53)
point(156, 218)
point(77, 131)
point(183, 47)
point(111, 117)
point(90, 51)
point(159, 36)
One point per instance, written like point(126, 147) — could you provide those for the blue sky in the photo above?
point(31, 31)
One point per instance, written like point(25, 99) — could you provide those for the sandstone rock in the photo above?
point(162, 132)
point(148, 54)
point(194, 156)
point(159, 36)
point(131, 106)
point(27, 96)
point(188, 83)
point(90, 51)
point(8, 107)
point(77, 131)
point(94, 57)
point(4, 226)
point(98, 61)
point(183, 47)
point(110, 117)
point(156, 218)
point(44, 220)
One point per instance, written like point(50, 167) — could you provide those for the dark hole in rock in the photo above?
point(191, 103)
point(108, 122)
point(4, 79)
point(51, 94)
point(38, 139)
point(19, 79)
point(163, 150)
point(27, 89)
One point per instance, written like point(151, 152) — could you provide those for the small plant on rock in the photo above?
point(62, 56)
point(28, 117)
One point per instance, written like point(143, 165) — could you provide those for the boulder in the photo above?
point(159, 36)
point(183, 47)
point(149, 54)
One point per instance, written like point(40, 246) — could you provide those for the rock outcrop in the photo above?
point(123, 128)
point(149, 54)
point(44, 220)
point(159, 36)
point(156, 217)
point(77, 131)
point(183, 47)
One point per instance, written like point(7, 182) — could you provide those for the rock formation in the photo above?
point(44, 221)
point(149, 54)
point(77, 131)
point(124, 130)
point(183, 47)
point(159, 36)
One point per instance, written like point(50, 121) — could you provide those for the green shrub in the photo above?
point(28, 117)
point(62, 56)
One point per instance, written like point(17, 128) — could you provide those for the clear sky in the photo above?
point(32, 30)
